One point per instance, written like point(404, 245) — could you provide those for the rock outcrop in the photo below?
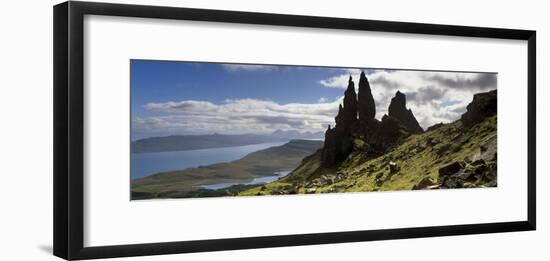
point(377, 136)
point(338, 145)
point(388, 134)
point(399, 111)
point(482, 106)
point(477, 174)
point(366, 106)
point(339, 140)
point(350, 105)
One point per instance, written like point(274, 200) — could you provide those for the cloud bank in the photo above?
point(433, 96)
point(236, 116)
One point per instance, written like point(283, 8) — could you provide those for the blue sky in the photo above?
point(170, 98)
point(163, 81)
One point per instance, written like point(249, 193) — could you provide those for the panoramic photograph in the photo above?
point(202, 129)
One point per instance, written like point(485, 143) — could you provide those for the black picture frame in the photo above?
point(69, 129)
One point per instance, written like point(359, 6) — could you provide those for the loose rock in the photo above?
point(393, 167)
point(424, 183)
point(450, 169)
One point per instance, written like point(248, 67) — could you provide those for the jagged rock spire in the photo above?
point(350, 104)
point(379, 135)
point(398, 110)
point(338, 140)
point(365, 101)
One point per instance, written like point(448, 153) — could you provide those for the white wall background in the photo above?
point(26, 129)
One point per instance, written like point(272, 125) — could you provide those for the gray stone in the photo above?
point(424, 183)
point(311, 190)
point(450, 169)
point(393, 167)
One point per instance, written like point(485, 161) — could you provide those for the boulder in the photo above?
point(326, 180)
point(424, 183)
point(450, 169)
point(477, 174)
point(311, 190)
point(393, 167)
point(478, 162)
point(430, 141)
point(293, 190)
point(451, 183)
point(443, 148)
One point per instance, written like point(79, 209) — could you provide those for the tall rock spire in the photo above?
point(338, 140)
point(398, 110)
point(350, 104)
point(365, 102)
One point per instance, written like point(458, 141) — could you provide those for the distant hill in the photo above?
point(195, 142)
point(187, 182)
point(293, 134)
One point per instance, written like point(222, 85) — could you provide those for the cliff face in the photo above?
point(356, 119)
point(482, 106)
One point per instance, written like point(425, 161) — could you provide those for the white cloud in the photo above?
point(341, 81)
point(235, 116)
point(433, 96)
point(247, 67)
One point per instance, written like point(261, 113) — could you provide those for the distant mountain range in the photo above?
point(195, 142)
point(296, 135)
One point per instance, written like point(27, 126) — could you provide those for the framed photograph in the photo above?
point(183, 130)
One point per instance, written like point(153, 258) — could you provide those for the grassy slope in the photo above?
point(419, 156)
point(256, 164)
